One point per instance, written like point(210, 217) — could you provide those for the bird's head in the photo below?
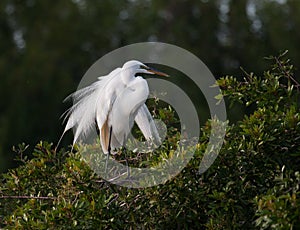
point(134, 68)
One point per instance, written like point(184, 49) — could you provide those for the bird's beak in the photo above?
point(154, 71)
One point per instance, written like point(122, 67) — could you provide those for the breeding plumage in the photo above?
point(113, 103)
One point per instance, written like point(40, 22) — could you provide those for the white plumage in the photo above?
point(113, 103)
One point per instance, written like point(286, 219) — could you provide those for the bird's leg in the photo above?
point(127, 164)
point(108, 149)
point(126, 160)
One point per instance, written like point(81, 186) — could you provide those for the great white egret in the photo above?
point(113, 103)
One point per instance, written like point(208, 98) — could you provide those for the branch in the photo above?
point(29, 197)
point(288, 75)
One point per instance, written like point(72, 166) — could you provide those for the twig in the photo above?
point(287, 73)
point(112, 200)
point(29, 197)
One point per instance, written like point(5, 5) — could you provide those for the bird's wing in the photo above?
point(105, 105)
point(125, 108)
point(146, 124)
point(90, 104)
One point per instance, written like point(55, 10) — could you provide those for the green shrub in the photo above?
point(254, 182)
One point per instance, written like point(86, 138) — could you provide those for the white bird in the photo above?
point(113, 103)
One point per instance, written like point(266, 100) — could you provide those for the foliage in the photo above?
point(254, 182)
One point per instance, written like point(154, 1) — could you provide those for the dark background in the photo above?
point(46, 47)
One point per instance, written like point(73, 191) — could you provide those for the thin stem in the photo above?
point(29, 197)
point(287, 74)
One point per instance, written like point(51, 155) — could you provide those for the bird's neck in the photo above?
point(127, 77)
